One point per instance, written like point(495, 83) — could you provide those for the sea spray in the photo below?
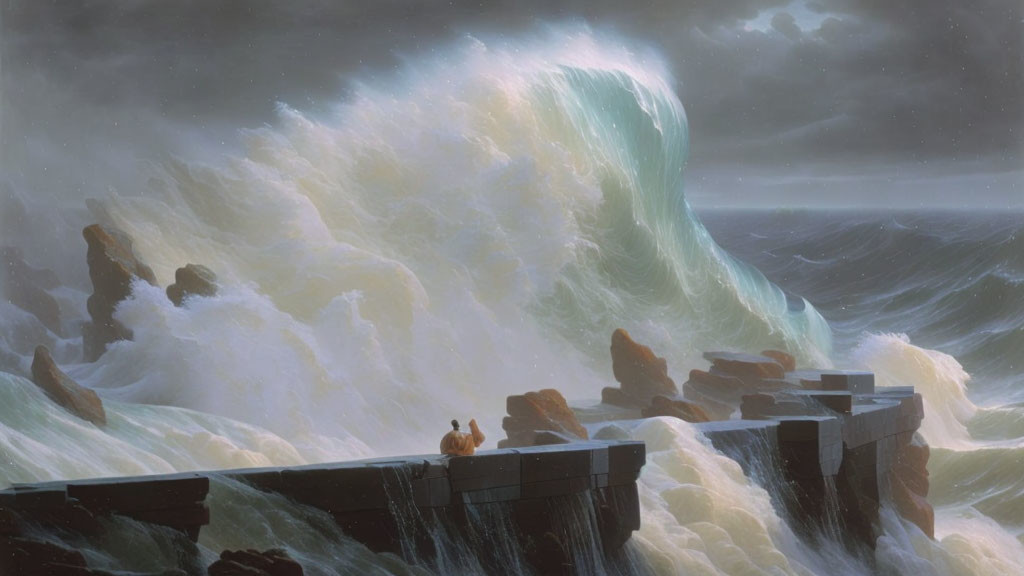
point(473, 229)
point(938, 377)
point(370, 294)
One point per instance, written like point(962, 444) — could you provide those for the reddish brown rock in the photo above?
point(26, 287)
point(747, 367)
point(192, 280)
point(909, 483)
point(718, 381)
point(113, 266)
point(914, 507)
point(664, 406)
point(786, 360)
point(613, 395)
point(80, 401)
point(253, 563)
point(640, 373)
point(732, 375)
point(533, 412)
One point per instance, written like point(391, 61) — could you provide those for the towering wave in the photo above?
point(473, 228)
point(478, 227)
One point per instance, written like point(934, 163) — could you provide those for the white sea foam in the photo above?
point(474, 229)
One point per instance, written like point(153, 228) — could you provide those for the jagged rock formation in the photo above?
point(540, 418)
point(665, 406)
point(273, 562)
point(909, 484)
point(80, 401)
point(641, 374)
point(192, 280)
point(113, 266)
point(720, 390)
point(27, 288)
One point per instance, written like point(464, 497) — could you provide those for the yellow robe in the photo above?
point(458, 443)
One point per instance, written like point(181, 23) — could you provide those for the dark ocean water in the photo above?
point(951, 281)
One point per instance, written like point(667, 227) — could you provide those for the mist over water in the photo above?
point(474, 227)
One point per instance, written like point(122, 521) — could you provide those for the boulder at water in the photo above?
point(538, 418)
point(192, 280)
point(676, 408)
point(80, 401)
point(273, 562)
point(641, 374)
point(113, 266)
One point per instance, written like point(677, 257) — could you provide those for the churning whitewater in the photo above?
point(472, 228)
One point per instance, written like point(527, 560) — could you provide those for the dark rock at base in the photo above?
point(253, 563)
point(664, 406)
point(112, 268)
point(26, 287)
point(78, 400)
point(786, 360)
point(640, 373)
point(192, 280)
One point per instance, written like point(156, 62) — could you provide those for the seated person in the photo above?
point(457, 443)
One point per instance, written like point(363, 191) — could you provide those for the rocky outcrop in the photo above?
point(786, 360)
point(909, 484)
point(192, 280)
point(641, 374)
point(80, 401)
point(720, 389)
point(538, 418)
point(676, 408)
point(273, 562)
point(27, 288)
point(746, 367)
point(113, 266)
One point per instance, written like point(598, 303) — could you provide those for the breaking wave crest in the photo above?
point(475, 229)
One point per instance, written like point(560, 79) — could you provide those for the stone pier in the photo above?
point(382, 503)
point(837, 438)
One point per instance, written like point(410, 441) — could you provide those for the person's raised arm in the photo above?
point(478, 436)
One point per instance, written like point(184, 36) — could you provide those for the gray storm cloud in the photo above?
point(896, 92)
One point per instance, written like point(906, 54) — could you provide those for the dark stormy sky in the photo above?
point(882, 103)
